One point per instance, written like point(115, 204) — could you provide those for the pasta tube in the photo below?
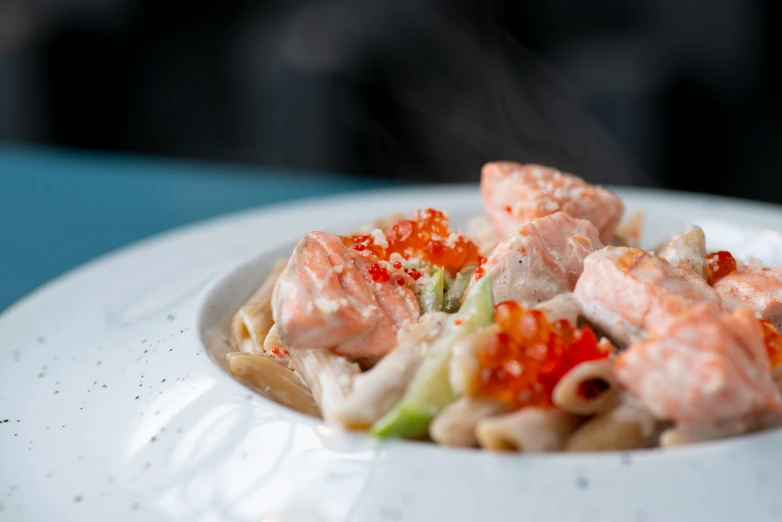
point(465, 365)
point(329, 376)
point(252, 322)
point(273, 381)
point(628, 426)
point(628, 233)
point(530, 430)
point(455, 425)
point(273, 346)
point(688, 249)
point(587, 389)
point(479, 229)
point(682, 434)
point(564, 306)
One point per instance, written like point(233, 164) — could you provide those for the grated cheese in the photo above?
point(379, 238)
point(396, 258)
point(326, 306)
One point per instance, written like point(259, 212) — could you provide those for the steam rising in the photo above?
point(434, 92)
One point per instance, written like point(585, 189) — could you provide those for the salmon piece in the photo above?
point(625, 291)
point(514, 194)
point(702, 367)
point(541, 260)
point(327, 298)
point(758, 290)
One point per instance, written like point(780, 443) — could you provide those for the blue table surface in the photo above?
point(60, 208)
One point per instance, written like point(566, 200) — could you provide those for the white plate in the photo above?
point(117, 412)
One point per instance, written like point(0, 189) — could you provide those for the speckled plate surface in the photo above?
point(111, 407)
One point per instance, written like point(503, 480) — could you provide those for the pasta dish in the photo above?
point(542, 326)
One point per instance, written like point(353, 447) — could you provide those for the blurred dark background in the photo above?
point(683, 94)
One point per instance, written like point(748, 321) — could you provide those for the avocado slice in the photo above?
point(430, 390)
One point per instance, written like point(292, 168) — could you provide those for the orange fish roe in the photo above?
point(530, 355)
point(721, 264)
point(426, 235)
point(773, 342)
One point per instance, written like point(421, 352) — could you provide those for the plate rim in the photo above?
point(444, 459)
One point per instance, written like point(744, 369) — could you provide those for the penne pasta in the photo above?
point(455, 425)
point(682, 434)
point(628, 426)
point(252, 322)
point(588, 389)
point(272, 340)
point(531, 430)
point(376, 391)
point(481, 232)
point(329, 376)
point(564, 306)
point(628, 233)
point(688, 250)
point(274, 347)
point(273, 381)
point(464, 366)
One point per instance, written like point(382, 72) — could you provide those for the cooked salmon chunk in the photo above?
point(541, 260)
point(327, 298)
point(758, 290)
point(702, 367)
point(514, 194)
point(625, 291)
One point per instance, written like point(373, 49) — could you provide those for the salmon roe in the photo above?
point(529, 356)
point(721, 264)
point(425, 234)
point(415, 274)
point(773, 342)
point(379, 274)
